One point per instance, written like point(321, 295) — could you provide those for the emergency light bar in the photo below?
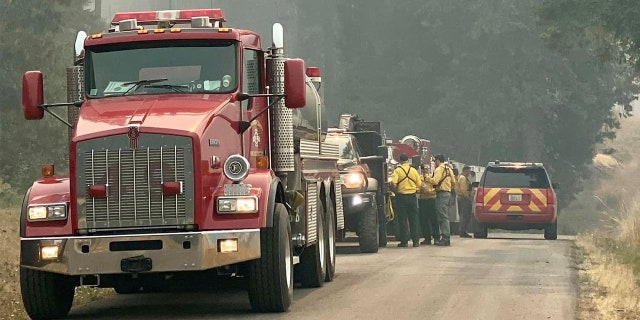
point(497, 163)
point(176, 16)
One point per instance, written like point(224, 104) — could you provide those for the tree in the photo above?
point(41, 38)
point(610, 27)
point(478, 81)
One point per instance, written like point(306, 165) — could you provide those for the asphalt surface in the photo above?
point(508, 276)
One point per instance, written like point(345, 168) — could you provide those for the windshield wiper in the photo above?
point(137, 84)
point(174, 87)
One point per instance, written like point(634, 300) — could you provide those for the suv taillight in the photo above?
point(480, 195)
point(550, 198)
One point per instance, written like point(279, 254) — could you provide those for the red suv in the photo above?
point(515, 196)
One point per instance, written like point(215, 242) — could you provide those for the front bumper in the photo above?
point(188, 251)
point(356, 203)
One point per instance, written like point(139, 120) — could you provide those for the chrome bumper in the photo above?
point(190, 251)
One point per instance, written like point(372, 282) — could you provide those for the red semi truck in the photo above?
point(194, 153)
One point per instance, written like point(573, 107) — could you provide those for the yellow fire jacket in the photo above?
point(406, 179)
point(462, 187)
point(445, 174)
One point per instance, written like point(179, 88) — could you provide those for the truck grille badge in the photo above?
point(133, 134)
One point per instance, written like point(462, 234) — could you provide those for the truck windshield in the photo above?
point(348, 152)
point(153, 67)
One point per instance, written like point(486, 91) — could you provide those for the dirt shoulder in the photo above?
point(608, 288)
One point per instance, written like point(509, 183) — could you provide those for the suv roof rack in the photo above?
point(498, 163)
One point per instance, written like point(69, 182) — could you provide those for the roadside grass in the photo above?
point(609, 289)
point(606, 217)
point(10, 299)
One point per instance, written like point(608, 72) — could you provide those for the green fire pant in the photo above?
point(406, 210)
point(442, 211)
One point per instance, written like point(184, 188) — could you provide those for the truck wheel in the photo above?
point(313, 260)
point(482, 234)
point(271, 276)
point(46, 295)
point(368, 230)
point(551, 231)
point(330, 241)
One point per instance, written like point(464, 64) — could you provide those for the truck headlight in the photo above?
point(236, 168)
point(47, 212)
point(237, 204)
point(354, 180)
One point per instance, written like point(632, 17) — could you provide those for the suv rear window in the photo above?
point(505, 177)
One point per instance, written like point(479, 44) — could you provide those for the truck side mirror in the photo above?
point(32, 95)
point(294, 83)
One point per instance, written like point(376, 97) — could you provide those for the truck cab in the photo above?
point(184, 159)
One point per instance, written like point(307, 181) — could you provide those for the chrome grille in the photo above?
point(134, 180)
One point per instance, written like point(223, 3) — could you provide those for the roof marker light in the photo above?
point(313, 72)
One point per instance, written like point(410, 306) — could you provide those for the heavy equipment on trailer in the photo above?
point(194, 153)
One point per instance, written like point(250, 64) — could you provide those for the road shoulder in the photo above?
point(608, 288)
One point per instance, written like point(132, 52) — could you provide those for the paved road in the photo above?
point(508, 276)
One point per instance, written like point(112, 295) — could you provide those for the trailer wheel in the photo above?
point(312, 269)
point(368, 233)
point(330, 234)
point(551, 231)
point(271, 276)
point(46, 295)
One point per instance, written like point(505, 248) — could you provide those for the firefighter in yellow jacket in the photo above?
point(463, 193)
point(407, 182)
point(427, 209)
point(443, 180)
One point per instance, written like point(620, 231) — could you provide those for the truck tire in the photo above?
point(482, 234)
point(46, 295)
point(368, 230)
point(312, 267)
point(330, 236)
point(271, 276)
point(551, 231)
